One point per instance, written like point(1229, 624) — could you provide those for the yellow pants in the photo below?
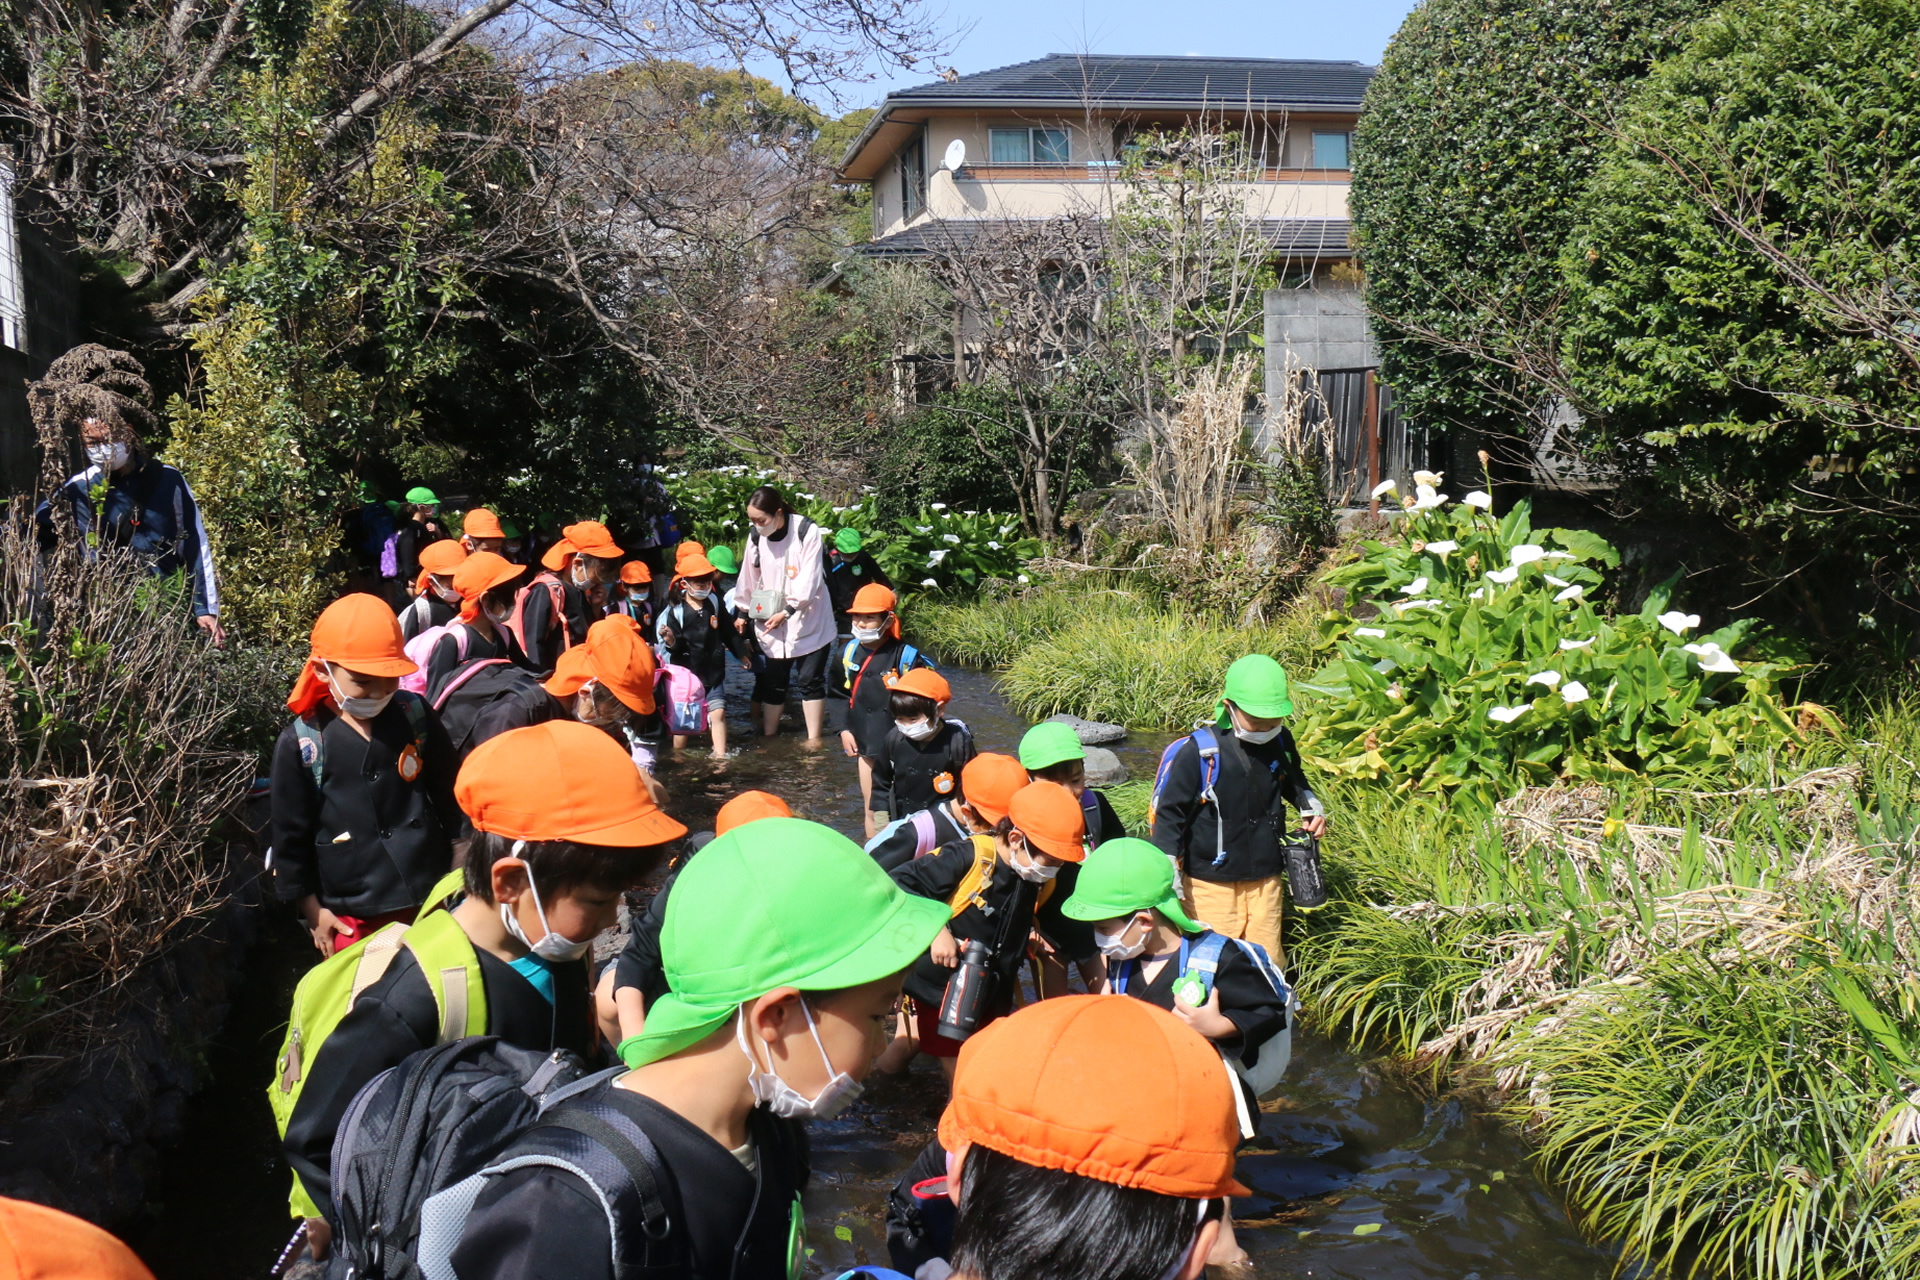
point(1247, 909)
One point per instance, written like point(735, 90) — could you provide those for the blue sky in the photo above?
point(1005, 31)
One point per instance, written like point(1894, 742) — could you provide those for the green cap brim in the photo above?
point(675, 1023)
point(1049, 743)
point(1091, 910)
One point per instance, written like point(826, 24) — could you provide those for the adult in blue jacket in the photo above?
point(134, 501)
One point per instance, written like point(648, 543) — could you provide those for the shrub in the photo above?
point(994, 630)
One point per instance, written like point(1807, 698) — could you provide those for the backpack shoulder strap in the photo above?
point(1209, 745)
point(1161, 773)
point(466, 672)
point(973, 886)
point(313, 749)
point(908, 656)
point(416, 708)
point(1203, 958)
point(452, 970)
point(926, 836)
point(1268, 969)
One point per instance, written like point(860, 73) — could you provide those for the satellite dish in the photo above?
point(956, 154)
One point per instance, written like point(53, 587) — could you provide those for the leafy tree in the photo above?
point(1743, 294)
point(1477, 138)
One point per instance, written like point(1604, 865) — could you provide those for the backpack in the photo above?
point(313, 748)
point(1208, 744)
point(473, 686)
point(420, 1140)
point(926, 832)
point(390, 555)
point(330, 988)
point(972, 890)
point(1202, 960)
point(854, 669)
point(420, 648)
point(682, 698)
point(516, 626)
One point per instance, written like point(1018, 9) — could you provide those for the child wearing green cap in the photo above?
point(771, 1019)
point(1052, 752)
point(1220, 805)
point(850, 566)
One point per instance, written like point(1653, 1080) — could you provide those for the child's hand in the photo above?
point(1206, 1019)
point(945, 950)
point(666, 636)
point(1316, 825)
point(324, 925)
point(847, 743)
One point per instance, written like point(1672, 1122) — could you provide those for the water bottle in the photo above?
point(966, 999)
point(1306, 886)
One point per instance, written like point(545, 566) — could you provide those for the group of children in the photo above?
point(455, 858)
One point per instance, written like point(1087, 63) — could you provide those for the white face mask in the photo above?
point(868, 635)
point(111, 456)
point(497, 619)
point(358, 708)
point(782, 1098)
point(446, 593)
point(698, 595)
point(1114, 946)
point(918, 730)
point(1032, 872)
point(580, 576)
point(552, 947)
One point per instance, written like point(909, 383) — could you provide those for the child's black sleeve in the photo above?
point(1179, 803)
point(882, 801)
point(442, 766)
point(736, 643)
point(296, 821)
point(938, 874)
point(639, 965)
point(543, 643)
point(1249, 1002)
point(837, 682)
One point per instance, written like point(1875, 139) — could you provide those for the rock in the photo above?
point(1091, 732)
point(1104, 768)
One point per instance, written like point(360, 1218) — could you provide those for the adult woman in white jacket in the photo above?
point(783, 587)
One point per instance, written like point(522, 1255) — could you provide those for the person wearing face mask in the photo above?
point(851, 568)
point(421, 528)
point(481, 530)
point(1052, 752)
point(134, 501)
point(870, 664)
point(608, 682)
point(437, 602)
point(1220, 805)
point(563, 829)
point(790, 614)
point(917, 764)
point(552, 611)
point(698, 635)
point(362, 787)
point(783, 947)
point(1089, 1138)
point(484, 585)
point(632, 595)
point(1000, 890)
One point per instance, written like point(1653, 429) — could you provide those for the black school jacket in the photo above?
point(396, 1017)
point(397, 834)
point(539, 1223)
point(544, 642)
point(868, 688)
point(703, 636)
point(909, 776)
point(1253, 788)
point(1010, 906)
point(1246, 998)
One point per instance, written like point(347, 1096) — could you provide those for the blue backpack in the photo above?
point(1208, 744)
point(850, 661)
point(1201, 959)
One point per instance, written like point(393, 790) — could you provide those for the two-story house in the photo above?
point(1045, 138)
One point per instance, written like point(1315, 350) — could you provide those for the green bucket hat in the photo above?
point(781, 902)
point(1048, 744)
point(1257, 686)
point(1121, 877)
point(508, 529)
point(848, 540)
point(723, 559)
point(421, 496)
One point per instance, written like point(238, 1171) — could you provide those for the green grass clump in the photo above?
point(1130, 800)
point(992, 631)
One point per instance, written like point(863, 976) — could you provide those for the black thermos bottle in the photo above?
point(1305, 885)
point(966, 998)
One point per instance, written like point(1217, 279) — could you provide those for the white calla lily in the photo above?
point(992, 545)
point(1558, 582)
point(1567, 646)
point(1414, 588)
point(1478, 593)
point(1480, 499)
point(1561, 555)
point(1713, 658)
point(1677, 622)
point(1443, 549)
point(1022, 579)
point(1525, 553)
point(949, 537)
point(1551, 679)
point(935, 557)
point(1429, 478)
point(1372, 632)
point(1504, 576)
point(928, 582)
point(923, 528)
point(1404, 605)
point(1384, 488)
point(1574, 692)
point(1425, 499)
point(1571, 593)
point(1507, 715)
point(937, 506)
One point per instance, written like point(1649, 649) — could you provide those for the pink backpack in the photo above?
point(681, 697)
point(421, 647)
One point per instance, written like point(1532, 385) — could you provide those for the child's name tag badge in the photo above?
point(943, 784)
point(409, 765)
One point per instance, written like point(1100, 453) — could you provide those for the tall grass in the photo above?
point(992, 631)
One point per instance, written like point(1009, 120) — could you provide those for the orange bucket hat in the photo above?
point(1050, 816)
point(688, 548)
point(38, 1243)
point(560, 780)
point(480, 573)
point(926, 682)
point(481, 523)
point(616, 655)
point(635, 573)
point(749, 806)
point(693, 565)
point(989, 783)
point(874, 598)
point(361, 633)
point(442, 556)
point(589, 536)
point(1107, 1087)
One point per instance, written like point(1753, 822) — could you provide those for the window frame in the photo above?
point(13, 286)
point(1031, 134)
point(913, 178)
point(1346, 150)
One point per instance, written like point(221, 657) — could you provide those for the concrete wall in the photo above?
point(1320, 326)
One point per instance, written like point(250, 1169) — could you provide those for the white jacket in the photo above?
point(796, 566)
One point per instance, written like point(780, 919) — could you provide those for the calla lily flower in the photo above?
point(1479, 498)
point(1504, 576)
point(953, 538)
point(1558, 582)
point(1443, 549)
point(1561, 555)
point(1571, 593)
point(1395, 692)
point(1429, 478)
point(1414, 588)
point(1574, 692)
point(1525, 553)
point(1478, 593)
point(1022, 579)
point(1507, 715)
point(923, 528)
point(1567, 646)
point(1677, 622)
point(1712, 658)
point(1384, 488)
point(1404, 605)
point(1373, 632)
point(928, 582)
point(1005, 529)
point(935, 557)
point(1426, 499)
point(1551, 679)
point(992, 545)
point(938, 506)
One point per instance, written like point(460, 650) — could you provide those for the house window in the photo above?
point(913, 178)
point(1330, 150)
point(1029, 146)
point(13, 306)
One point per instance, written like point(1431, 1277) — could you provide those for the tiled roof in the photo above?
point(1122, 81)
point(1306, 237)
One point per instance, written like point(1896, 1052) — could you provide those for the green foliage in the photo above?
point(1741, 285)
point(1478, 135)
point(1489, 664)
point(994, 630)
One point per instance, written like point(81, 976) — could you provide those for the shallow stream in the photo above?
point(1354, 1175)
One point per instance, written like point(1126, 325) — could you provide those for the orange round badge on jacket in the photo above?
point(944, 784)
point(409, 765)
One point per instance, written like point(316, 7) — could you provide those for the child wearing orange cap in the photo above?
point(480, 530)
point(870, 662)
point(999, 887)
point(363, 808)
point(987, 784)
point(698, 634)
point(607, 682)
point(435, 602)
point(485, 584)
point(552, 612)
point(563, 827)
point(632, 595)
point(917, 765)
